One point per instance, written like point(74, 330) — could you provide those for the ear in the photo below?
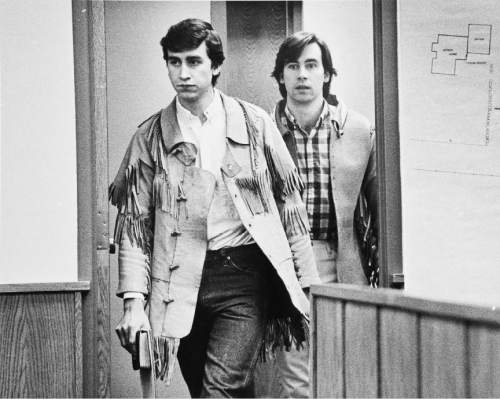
point(282, 80)
point(326, 77)
point(216, 71)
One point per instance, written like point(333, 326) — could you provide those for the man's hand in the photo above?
point(134, 319)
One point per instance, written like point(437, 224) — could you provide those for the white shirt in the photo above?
point(224, 226)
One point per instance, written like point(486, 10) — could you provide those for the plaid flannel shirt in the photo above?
point(313, 156)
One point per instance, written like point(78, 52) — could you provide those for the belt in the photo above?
point(231, 251)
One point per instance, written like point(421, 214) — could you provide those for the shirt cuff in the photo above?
point(137, 295)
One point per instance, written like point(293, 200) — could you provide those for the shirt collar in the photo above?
point(214, 110)
point(338, 116)
point(235, 123)
point(324, 115)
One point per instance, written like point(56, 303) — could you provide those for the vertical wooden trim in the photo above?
point(78, 390)
point(387, 124)
point(218, 18)
point(81, 37)
point(314, 346)
point(100, 281)
point(83, 138)
point(294, 21)
point(92, 158)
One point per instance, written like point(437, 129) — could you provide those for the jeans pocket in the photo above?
point(239, 265)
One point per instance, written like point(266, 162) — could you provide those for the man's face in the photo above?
point(304, 78)
point(191, 72)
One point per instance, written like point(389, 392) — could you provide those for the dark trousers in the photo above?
point(218, 357)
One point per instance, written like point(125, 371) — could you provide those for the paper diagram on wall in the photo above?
point(449, 121)
point(450, 49)
point(449, 58)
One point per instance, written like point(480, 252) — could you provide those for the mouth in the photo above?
point(185, 87)
point(302, 87)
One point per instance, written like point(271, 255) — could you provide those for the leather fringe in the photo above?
point(295, 220)
point(286, 326)
point(125, 197)
point(130, 219)
point(166, 196)
point(138, 230)
point(285, 177)
point(256, 192)
point(165, 353)
point(282, 333)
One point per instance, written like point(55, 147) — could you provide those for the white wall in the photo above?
point(347, 27)
point(38, 144)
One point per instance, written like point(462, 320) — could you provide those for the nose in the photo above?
point(184, 72)
point(302, 72)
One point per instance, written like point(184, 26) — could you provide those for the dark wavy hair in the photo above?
point(188, 35)
point(290, 51)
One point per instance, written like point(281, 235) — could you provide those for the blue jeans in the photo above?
point(218, 357)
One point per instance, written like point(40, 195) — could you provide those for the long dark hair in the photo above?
point(290, 51)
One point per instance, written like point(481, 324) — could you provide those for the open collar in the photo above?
point(235, 123)
point(338, 116)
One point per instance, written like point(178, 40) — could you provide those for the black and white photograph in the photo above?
point(249, 199)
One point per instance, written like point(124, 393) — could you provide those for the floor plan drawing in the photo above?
point(449, 88)
point(449, 49)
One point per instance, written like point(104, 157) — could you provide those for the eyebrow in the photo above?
point(307, 60)
point(193, 58)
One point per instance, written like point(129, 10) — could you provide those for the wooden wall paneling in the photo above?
point(294, 20)
point(484, 360)
point(387, 125)
point(12, 377)
point(443, 344)
point(361, 350)
point(328, 363)
point(218, 18)
point(78, 330)
point(254, 34)
point(383, 297)
point(40, 351)
point(399, 354)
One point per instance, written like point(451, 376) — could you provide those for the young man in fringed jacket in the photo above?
point(333, 148)
point(212, 231)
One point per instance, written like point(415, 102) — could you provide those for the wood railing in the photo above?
point(383, 343)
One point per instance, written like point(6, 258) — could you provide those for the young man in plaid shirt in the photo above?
point(334, 150)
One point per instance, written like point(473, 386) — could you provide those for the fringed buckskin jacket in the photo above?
point(354, 189)
point(163, 201)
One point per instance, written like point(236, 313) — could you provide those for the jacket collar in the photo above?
point(235, 123)
point(236, 128)
point(338, 116)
